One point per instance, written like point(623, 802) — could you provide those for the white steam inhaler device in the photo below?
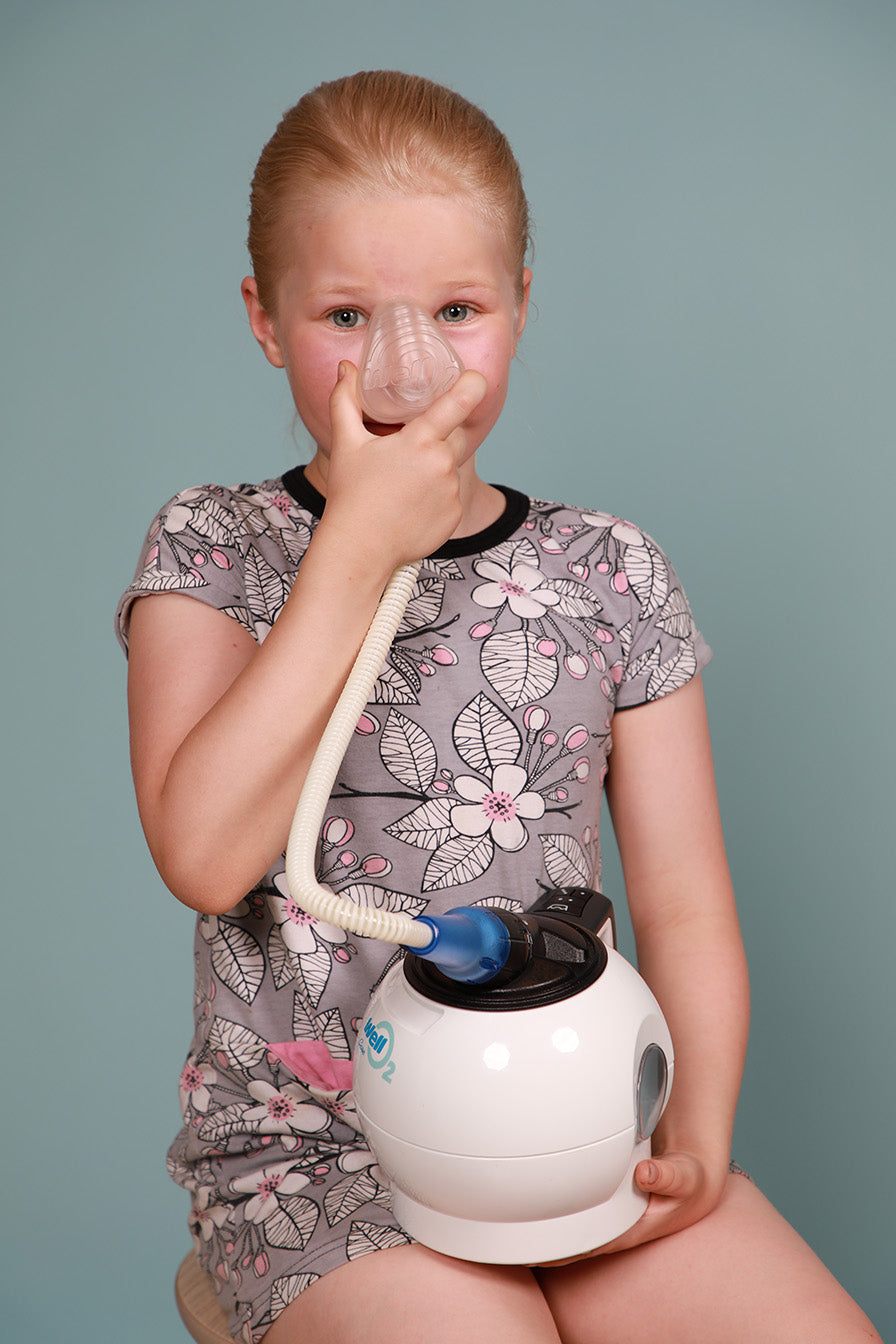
point(490, 1011)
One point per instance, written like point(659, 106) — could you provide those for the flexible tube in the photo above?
point(316, 898)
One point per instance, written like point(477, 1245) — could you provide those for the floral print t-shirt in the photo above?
point(475, 776)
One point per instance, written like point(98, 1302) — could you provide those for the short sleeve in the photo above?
point(235, 548)
point(662, 647)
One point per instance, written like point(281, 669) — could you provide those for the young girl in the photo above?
point(538, 638)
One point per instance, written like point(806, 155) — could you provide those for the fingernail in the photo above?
point(651, 1174)
point(340, 372)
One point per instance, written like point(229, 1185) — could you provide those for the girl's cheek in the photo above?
point(485, 360)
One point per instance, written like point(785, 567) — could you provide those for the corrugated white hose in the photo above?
point(316, 898)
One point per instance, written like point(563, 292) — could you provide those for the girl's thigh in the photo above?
point(742, 1275)
point(410, 1295)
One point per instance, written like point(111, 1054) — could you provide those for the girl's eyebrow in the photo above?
point(359, 291)
point(336, 289)
point(482, 285)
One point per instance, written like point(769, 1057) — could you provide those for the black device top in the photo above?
point(556, 954)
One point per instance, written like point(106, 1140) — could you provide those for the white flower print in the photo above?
point(203, 514)
point(275, 508)
point(181, 514)
point(206, 1217)
point(619, 528)
point(284, 1110)
point(520, 586)
point(497, 807)
point(266, 1186)
point(627, 533)
point(354, 1160)
point(194, 1084)
point(299, 930)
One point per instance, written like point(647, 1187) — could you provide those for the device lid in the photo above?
point(565, 959)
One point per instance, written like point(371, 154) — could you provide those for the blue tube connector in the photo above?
point(470, 944)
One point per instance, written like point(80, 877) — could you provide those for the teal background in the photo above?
point(711, 353)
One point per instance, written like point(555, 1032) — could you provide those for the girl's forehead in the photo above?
point(364, 232)
point(360, 201)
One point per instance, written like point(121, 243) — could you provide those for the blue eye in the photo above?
point(346, 319)
point(456, 312)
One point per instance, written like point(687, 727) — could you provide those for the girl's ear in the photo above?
point(523, 307)
point(262, 325)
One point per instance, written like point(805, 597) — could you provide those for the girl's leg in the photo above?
point(411, 1295)
point(742, 1275)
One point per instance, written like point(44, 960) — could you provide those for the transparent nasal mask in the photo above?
point(406, 363)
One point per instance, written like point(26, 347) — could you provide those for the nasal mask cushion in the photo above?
point(406, 363)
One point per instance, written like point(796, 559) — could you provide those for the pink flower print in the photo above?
point(576, 666)
point(575, 737)
point(498, 807)
point(266, 1186)
point(520, 586)
point(337, 831)
point(535, 718)
point(284, 1110)
point(194, 1085)
point(376, 866)
point(275, 509)
point(299, 930)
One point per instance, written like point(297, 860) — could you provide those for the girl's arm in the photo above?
point(662, 796)
point(223, 730)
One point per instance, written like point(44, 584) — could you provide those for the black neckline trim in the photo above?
point(516, 510)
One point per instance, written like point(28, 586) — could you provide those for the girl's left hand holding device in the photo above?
point(682, 1189)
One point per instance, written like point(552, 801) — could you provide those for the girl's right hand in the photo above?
point(408, 480)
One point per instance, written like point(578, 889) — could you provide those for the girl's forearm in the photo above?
point(661, 789)
point(696, 967)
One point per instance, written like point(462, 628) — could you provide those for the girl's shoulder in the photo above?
point(611, 579)
point(562, 527)
point(235, 547)
point(232, 509)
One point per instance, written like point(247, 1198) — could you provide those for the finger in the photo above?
point(454, 406)
point(345, 414)
point(664, 1176)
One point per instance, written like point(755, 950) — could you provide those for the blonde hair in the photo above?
point(377, 131)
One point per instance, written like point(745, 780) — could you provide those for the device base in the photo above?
point(523, 1243)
